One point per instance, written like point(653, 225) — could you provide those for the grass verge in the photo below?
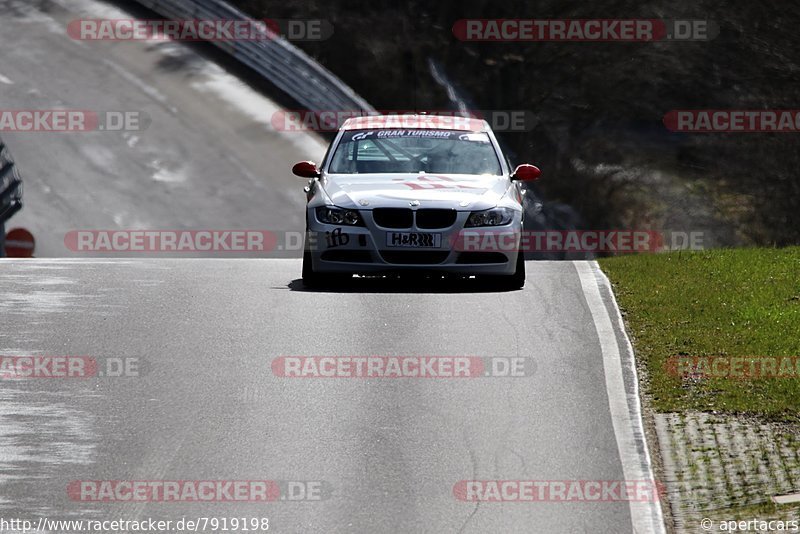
point(725, 302)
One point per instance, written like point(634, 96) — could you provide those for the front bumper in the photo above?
point(366, 249)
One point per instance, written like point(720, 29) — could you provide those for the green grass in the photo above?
point(726, 302)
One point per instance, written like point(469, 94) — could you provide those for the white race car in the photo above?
point(398, 193)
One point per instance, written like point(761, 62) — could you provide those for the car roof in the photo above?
point(410, 121)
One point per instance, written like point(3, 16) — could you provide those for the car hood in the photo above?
point(459, 191)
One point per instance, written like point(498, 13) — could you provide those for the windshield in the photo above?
point(411, 151)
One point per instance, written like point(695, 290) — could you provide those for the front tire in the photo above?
point(312, 279)
point(509, 282)
point(309, 276)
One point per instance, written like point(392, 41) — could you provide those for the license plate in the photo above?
point(413, 240)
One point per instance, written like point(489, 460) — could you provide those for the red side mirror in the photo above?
point(526, 173)
point(306, 169)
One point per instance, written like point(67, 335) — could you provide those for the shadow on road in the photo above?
point(416, 285)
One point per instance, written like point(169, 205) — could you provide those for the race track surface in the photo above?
point(210, 406)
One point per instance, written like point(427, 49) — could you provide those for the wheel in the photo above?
point(518, 278)
point(309, 276)
point(509, 282)
point(313, 279)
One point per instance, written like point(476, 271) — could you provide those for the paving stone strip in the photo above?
point(716, 466)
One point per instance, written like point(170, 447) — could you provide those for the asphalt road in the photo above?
point(210, 407)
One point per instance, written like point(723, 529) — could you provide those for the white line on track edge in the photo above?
point(623, 398)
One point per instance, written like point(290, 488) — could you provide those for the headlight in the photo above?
point(331, 215)
point(492, 217)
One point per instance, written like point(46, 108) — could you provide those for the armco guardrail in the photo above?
point(286, 66)
point(10, 186)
